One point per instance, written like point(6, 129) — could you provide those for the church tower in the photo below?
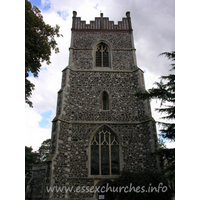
point(100, 128)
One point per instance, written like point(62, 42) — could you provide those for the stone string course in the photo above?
point(79, 101)
point(117, 40)
point(73, 152)
point(120, 46)
point(85, 92)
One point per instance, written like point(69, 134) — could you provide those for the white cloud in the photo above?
point(153, 29)
point(34, 134)
point(170, 145)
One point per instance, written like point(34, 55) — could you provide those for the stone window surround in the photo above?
point(89, 154)
point(103, 55)
point(101, 101)
point(109, 54)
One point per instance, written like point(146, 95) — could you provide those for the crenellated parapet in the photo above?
point(100, 128)
point(102, 23)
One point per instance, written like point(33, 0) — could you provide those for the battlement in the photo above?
point(101, 23)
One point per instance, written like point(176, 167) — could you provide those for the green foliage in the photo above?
point(145, 186)
point(43, 151)
point(165, 92)
point(39, 40)
point(161, 144)
point(36, 157)
point(168, 161)
point(31, 158)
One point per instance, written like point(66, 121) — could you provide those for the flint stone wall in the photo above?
point(83, 96)
point(120, 45)
point(79, 110)
point(72, 159)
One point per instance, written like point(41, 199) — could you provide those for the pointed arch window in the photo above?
point(102, 55)
point(104, 149)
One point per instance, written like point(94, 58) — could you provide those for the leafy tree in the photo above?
point(39, 40)
point(165, 92)
point(145, 186)
point(167, 158)
point(43, 151)
point(36, 157)
point(161, 144)
point(31, 158)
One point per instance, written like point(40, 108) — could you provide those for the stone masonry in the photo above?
point(80, 115)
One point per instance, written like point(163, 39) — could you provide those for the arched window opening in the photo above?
point(102, 55)
point(104, 150)
point(105, 101)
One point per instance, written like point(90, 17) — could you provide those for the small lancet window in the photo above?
point(105, 101)
point(102, 55)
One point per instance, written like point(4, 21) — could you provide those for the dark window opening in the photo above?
point(104, 153)
point(102, 55)
point(105, 101)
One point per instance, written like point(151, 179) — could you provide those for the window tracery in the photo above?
point(104, 150)
point(102, 55)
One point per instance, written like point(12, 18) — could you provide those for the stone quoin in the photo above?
point(100, 128)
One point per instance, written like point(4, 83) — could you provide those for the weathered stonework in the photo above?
point(80, 113)
point(121, 49)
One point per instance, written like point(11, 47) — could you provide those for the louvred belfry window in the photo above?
point(104, 149)
point(102, 55)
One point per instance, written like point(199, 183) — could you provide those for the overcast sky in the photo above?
point(153, 23)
